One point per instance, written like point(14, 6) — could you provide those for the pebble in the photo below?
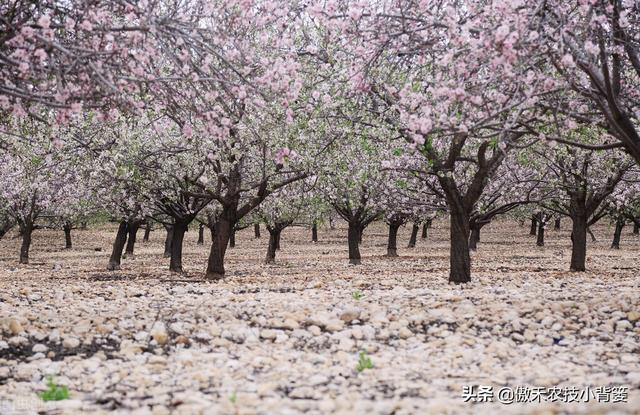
point(70, 342)
point(39, 348)
point(350, 314)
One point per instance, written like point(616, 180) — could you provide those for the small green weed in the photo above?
point(54, 392)
point(364, 362)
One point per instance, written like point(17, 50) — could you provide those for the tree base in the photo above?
point(391, 253)
point(214, 276)
point(112, 266)
point(354, 261)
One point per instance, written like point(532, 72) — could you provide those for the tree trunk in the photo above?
point(147, 232)
point(132, 230)
point(556, 225)
point(616, 234)
point(460, 261)
point(232, 239)
point(179, 229)
point(353, 234)
point(221, 233)
point(332, 224)
point(474, 238)
point(167, 241)
point(274, 236)
point(593, 237)
point(201, 234)
point(425, 231)
point(540, 238)
point(278, 241)
point(26, 229)
point(118, 246)
point(67, 235)
point(83, 226)
point(314, 232)
point(532, 231)
point(414, 235)
point(579, 242)
point(392, 247)
point(636, 229)
point(256, 230)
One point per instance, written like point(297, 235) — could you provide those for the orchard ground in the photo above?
point(284, 338)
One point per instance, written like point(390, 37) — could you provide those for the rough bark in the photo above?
point(256, 230)
point(474, 238)
point(636, 229)
point(617, 233)
point(67, 235)
point(353, 235)
point(274, 236)
point(556, 225)
point(579, 242)
point(392, 246)
point(26, 229)
point(179, 229)
point(425, 231)
point(132, 230)
point(118, 247)
point(201, 234)
point(459, 259)
point(221, 231)
point(232, 239)
point(167, 241)
point(540, 237)
point(414, 235)
point(314, 232)
point(147, 232)
point(534, 226)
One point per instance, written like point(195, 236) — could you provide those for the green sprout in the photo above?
point(364, 362)
point(233, 397)
point(54, 392)
point(357, 295)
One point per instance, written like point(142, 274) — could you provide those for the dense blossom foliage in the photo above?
point(243, 112)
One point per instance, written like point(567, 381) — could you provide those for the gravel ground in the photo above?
point(285, 338)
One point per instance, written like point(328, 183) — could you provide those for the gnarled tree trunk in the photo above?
point(147, 232)
point(167, 241)
point(617, 233)
point(392, 246)
point(132, 230)
point(540, 238)
point(221, 232)
point(414, 235)
point(534, 224)
point(274, 236)
point(118, 246)
point(200, 234)
point(474, 238)
point(579, 242)
point(179, 229)
point(459, 258)
point(26, 230)
point(67, 235)
point(353, 236)
point(232, 239)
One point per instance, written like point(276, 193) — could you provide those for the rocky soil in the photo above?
point(285, 338)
